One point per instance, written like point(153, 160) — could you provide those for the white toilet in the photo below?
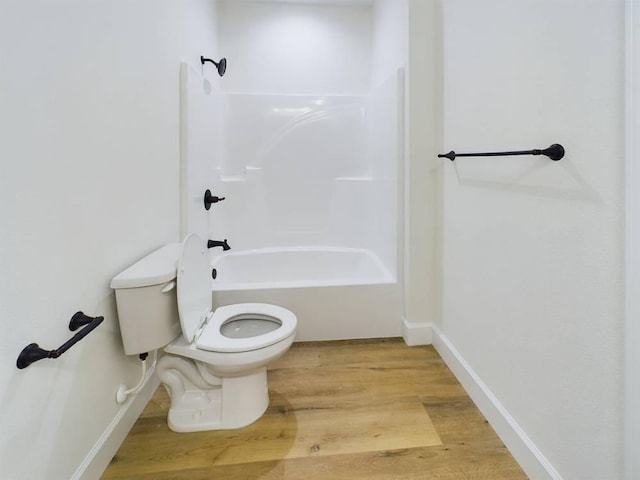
point(215, 363)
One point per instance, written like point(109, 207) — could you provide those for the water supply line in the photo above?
point(123, 392)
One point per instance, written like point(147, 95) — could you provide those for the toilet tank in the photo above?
point(146, 301)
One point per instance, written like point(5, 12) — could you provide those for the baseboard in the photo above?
point(105, 448)
point(532, 461)
point(419, 333)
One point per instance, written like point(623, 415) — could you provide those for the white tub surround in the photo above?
point(311, 207)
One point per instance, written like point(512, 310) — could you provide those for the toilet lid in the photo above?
point(194, 286)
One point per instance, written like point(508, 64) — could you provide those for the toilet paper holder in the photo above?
point(32, 352)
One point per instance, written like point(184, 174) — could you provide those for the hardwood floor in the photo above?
point(366, 409)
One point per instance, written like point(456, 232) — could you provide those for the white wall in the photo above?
point(532, 249)
point(423, 121)
point(632, 250)
point(89, 183)
point(389, 38)
point(290, 48)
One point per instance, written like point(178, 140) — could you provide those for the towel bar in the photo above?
point(32, 352)
point(555, 152)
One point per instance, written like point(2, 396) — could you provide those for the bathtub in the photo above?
point(336, 293)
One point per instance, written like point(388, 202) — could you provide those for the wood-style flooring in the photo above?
point(366, 409)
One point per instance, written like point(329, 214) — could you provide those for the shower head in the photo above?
point(221, 65)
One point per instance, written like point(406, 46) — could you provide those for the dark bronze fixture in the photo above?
point(32, 352)
point(221, 66)
point(555, 152)
point(209, 199)
point(216, 243)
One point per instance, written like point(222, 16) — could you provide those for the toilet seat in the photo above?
point(212, 339)
point(203, 328)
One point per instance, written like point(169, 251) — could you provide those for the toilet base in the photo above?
point(196, 405)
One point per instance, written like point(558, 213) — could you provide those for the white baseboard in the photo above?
point(532, 461)
point(416, 333)
point(105, 448)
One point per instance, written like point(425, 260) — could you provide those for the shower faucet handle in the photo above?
point(209, 198)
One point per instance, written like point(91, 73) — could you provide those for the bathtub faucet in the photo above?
point(215, 243)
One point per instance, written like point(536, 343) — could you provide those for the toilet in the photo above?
point(214, 365)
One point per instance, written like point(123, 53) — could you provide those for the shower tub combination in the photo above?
point(312, 201)
point(336, 293)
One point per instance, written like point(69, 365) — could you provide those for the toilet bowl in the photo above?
point(215, 361)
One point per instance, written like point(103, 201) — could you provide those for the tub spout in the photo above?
point(215, 243)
